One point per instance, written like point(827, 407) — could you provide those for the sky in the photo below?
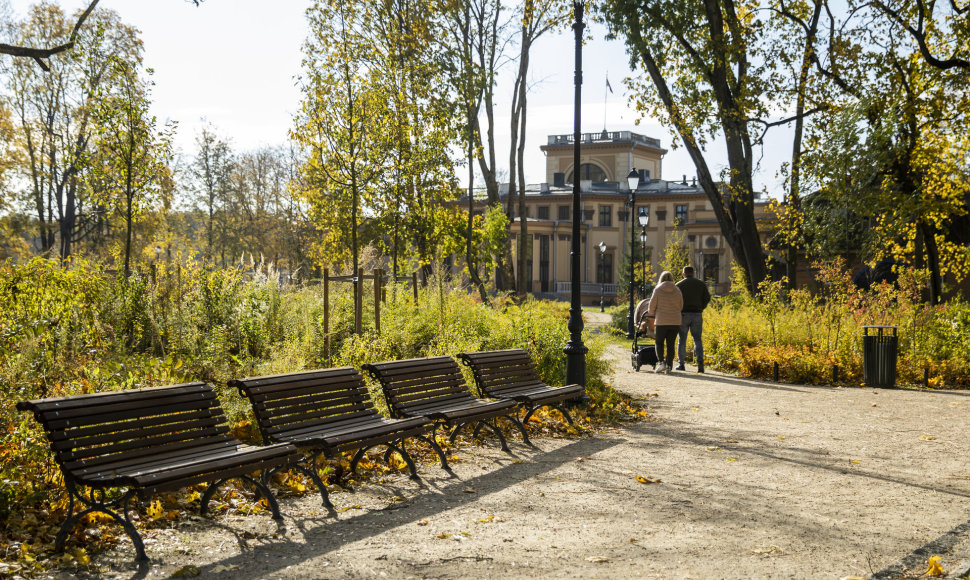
point(235, 64)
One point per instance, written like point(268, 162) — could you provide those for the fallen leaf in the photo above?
point(781, 437)
point(695, 409)
point(934, 568)
point(443, 536)
point(185, 571)
point(423, 522)
point(928, 438)
point(597, 559)
point(348, 508)
point(732, 458)
point(222, 568)
point(398, 498)
point(470, 490)
point(768, 550)
point(487, 519)
point(642, 479)
point(855, 461)
point(713, 448)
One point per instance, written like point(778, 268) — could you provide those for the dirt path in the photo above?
point(750, 480)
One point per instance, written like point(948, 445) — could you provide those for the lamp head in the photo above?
point(602, 247)
point(643, 216)
point(633, 179)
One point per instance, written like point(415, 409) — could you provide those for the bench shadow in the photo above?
point(663, 429)
point(278, 553)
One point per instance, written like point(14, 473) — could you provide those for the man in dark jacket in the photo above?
point(696, 299)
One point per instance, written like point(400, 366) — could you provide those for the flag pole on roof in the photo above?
point(605, 94)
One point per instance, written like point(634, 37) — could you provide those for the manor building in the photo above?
point(678, 211)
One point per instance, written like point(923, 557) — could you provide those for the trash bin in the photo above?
point(880, 346)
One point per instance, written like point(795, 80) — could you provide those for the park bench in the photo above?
point(435, 387)
point(115, 446)
point(325, 412)
point(510, 374)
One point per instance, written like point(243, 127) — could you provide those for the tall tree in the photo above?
point(536, 17)
point(896, 154)
point(211, 169)
point(479, 34)
point(341, 124)
point(54, 109)
point(707, 75)
point(129, 147)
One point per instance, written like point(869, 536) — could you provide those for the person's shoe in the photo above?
point(661, 368)
point(680, 367)
point(700, 369)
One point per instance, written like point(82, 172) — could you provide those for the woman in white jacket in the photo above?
point(666, 304)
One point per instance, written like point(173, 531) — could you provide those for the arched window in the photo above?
point(589, 171)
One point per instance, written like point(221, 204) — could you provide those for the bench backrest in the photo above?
point(416, 384)
point(92, 432)
point(289, 405)
point(500, 371)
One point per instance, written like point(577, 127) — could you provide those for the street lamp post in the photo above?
point(633, 180)
point(643, 262)
point(575, 350)
point(643, 217)
point(602, 247)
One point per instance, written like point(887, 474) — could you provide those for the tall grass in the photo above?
point(75, 329)
point(807, 333)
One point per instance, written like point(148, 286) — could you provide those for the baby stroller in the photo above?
point(643, 354)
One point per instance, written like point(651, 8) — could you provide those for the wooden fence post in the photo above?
point(359, 301)
point(326, 313)
point(377, 301)
point(414, 286)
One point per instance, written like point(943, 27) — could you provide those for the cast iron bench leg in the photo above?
point(94, 505)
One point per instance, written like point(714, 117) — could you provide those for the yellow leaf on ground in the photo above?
point(928, 438)
point(155, 511)
point(642, 479)
point(934, 568)
point(443, 536)
point(348, 508)
point(781, 437)
point(732, 458)
point(855, 461)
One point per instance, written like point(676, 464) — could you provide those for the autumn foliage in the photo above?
point(809, 330)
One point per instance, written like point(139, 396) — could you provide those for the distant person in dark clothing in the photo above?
point(696, 299)
point(884, 271)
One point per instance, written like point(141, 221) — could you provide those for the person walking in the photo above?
point(696, 298)
point(666, 304)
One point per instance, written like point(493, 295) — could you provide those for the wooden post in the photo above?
point(776, 371)
point(377, 301)
point(835, 374)
point(414, 286)
point(359, 301)
point(926, 378)
point(326, 313)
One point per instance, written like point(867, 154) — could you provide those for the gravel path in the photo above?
point(731, 478)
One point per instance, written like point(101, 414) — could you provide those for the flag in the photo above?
point(608, 85)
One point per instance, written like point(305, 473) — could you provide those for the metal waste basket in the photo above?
point(880, 346)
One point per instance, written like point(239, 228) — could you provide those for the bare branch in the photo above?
point(41, 53)
point(919, 35)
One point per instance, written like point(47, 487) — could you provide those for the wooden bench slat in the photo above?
point(147, 440)
point(325, 410)
point(205, 425)
point(510, 374)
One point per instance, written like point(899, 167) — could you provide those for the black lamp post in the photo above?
point(575, 349)
point(602, 247)
point(643, 216)
point(633, 180)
